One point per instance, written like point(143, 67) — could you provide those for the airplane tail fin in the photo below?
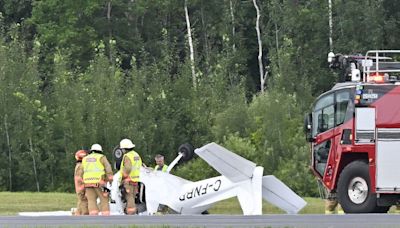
point(236, 169)
point(280, 195)
point(249, 193)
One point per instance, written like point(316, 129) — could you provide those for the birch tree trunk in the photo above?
point(34, 164)
point(233, 25)
point(277, 45)
point(9, 153)
point(263, 76)
point(203, 23)
point(189, 31)
point(109, 32)
point(330, 25)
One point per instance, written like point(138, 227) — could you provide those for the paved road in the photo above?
point(347, 221)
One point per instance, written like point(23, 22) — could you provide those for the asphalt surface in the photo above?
point(350, 220)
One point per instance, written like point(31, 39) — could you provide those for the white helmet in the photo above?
point(96, 147)
point(126, 144)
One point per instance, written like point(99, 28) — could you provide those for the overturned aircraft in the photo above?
point(239, 177)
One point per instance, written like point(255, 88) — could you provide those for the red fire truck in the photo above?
point(354, 131)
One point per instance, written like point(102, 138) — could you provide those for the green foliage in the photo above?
point(74, 73)
point(243, 147)
point(195, 170)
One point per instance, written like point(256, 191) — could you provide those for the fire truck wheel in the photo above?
point(354, 189)
point(187, 150)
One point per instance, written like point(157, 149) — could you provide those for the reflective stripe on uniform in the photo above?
point(105, 213)
point(131, 211)
point(94, 212)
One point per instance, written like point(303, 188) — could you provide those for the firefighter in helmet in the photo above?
point(160, 165)
point(96, 172)
point(332, 203)
point(130, 170)
point(82, 205)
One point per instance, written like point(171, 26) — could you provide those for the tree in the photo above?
point(263, 76)
point(189, 32)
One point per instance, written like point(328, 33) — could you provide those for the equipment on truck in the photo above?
point(354, 131)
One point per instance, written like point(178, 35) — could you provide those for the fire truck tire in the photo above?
point(354, 189)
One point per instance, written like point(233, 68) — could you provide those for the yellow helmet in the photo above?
point(126, 144)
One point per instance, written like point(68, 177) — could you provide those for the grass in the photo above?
point(231, 206)
point(14, 202)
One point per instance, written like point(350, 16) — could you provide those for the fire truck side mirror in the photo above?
point(308, 127)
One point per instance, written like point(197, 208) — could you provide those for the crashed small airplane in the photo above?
point(239, 177)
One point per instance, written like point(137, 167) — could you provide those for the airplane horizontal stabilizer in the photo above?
point(231, 165)
point(280, 195)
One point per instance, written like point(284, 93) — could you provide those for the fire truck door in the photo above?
point(365, 126)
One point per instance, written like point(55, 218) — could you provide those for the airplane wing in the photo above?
point(229, 164)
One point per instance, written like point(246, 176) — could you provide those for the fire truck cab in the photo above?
point(354, 131)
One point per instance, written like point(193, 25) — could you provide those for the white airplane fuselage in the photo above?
point(183, 196)
point(186, 197)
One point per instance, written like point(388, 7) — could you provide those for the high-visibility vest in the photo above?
point(164, 168)
point(93, 169)
point(136, 162)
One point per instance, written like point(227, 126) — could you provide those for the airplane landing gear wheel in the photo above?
point(118, 155)
point(187, 150)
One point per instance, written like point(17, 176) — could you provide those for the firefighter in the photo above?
point(82, 205)
point(96, 172)
point(130, 170)
point(397, 209)
point(160, 165)
point(331, 204)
